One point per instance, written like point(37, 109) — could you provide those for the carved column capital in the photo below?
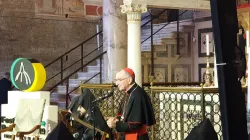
point(133, 11)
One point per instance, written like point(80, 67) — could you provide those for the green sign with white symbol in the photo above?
point(27, 74)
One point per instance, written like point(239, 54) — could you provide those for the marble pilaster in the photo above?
point(134, 12)
point(114, 38)
point(215, 72)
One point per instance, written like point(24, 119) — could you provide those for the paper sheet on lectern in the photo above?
point(29, 114)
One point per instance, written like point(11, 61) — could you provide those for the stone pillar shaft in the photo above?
point(215, 72)
point(114, 38)
point(134, 12)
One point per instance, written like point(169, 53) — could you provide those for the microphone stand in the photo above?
point(93, 108)
point(93, 113)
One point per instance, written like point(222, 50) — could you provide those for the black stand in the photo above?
point(94, 105)
point(232, 102)
point(93, 114)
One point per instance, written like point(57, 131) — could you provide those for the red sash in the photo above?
point(134, 135)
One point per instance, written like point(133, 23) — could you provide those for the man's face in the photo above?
point(122, 81)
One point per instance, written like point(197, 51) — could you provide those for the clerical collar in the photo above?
point(132, 88)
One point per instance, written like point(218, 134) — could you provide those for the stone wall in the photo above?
point(23, 33)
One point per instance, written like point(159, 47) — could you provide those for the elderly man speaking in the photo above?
point(137, 112)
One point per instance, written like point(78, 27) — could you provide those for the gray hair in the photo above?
point(128, 75)
point(6, 75)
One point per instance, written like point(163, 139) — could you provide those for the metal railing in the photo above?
point(177, 109)
point(63, 68)
point(61, 73)
point(67, 77)
point(172, 84)
point(153, 33)
point(61, 58)
point(242, 2)
point(81, 59)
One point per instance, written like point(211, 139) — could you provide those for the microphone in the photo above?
point(103, 97)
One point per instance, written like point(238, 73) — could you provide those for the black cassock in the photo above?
point(5, 86)
point(136, 116)
point(84, 133)
point(61, 132)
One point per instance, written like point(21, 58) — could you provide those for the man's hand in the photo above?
point(112, 122)
point(107, 118)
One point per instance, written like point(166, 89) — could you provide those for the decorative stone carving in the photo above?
point(133, 11)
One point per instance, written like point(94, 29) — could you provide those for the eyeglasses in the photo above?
point(121, 79)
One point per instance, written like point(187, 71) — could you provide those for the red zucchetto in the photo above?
point(130, 72)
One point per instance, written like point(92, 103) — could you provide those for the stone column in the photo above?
point(114, 38)
point(215, 72)
point(134, 12)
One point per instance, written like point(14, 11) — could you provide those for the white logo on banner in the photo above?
point(22, 73)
